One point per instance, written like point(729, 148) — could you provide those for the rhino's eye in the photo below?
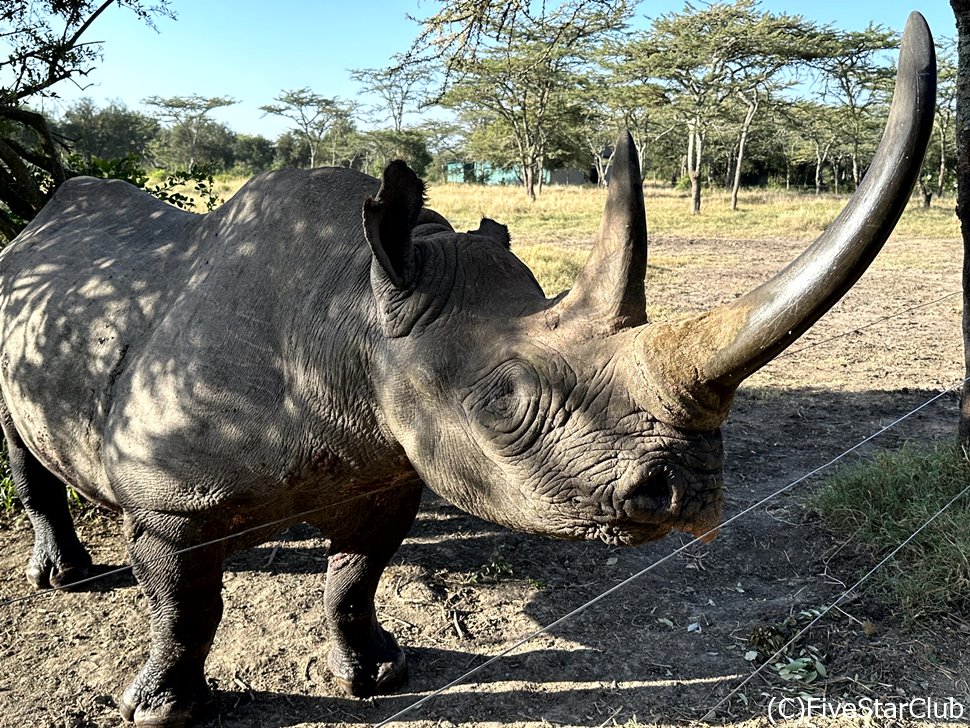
point(507, 400)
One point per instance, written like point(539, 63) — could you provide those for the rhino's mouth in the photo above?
point(637, 534)
point(628, 534)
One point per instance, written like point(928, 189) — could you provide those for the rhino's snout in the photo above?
point(662, 495)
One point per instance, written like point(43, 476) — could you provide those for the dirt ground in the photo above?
point(663, 650)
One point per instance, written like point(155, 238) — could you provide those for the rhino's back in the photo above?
point(137, 337)
point(78, 288)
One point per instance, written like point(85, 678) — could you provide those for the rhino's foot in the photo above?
point(151, 704)
point(44, 572)
point(381, 669)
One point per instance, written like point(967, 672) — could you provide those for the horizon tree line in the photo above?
point(716, 95)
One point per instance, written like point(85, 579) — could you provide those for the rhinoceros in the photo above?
point(323, 345)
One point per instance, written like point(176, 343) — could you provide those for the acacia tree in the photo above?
point(705, 57)
point(400, 86)
point(521, 76)
point(187, 117)
point(42, 44)
point(445, 140)
point(819, 128)
point(857, 78)
point(316, 118)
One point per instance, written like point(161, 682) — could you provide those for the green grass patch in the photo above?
point(554, 267)
point(880, 503)
point(9, 502)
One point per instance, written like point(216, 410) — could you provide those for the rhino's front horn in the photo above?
point(702, 360)
point(609, 292)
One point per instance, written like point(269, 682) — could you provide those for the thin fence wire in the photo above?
point(124, 569)
point(591, 602)
point(294, 518)
point(870, 324)
point(630, 579)
point(842, 597)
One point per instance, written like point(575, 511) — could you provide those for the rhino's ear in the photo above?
point(389, 219)
point(494, 230)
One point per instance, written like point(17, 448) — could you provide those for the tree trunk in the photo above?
point(941, 179)
point(748, 119)
point(926, 193)
point(818, 172)
point(961, 9)
point(195, 135)
point(529, 180)
point(694, 153)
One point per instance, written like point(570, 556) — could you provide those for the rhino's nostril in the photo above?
point(656, 492)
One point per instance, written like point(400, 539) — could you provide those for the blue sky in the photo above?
point(251, 50)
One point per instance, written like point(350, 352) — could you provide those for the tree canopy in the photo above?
point(716, 94)
point(43, 44)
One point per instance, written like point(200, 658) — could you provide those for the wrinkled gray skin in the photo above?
point(321, 345)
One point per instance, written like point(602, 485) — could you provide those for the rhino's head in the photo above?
point(575, 417)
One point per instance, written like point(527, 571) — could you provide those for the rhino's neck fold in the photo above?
point(411, 310)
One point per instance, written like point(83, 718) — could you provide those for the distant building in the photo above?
point(485, 173)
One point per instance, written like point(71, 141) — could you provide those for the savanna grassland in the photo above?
point(671, 646)
point(553, 233)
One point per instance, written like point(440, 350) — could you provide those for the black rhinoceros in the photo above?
point(318, 348)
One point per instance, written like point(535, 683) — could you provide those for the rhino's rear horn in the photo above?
point(609, 293)
point(389, 219)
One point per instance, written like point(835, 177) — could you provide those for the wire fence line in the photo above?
point(676, 552)
point(295, 518)
point(617, 587)
point(124, 569)
point(127, 568)
point(841, 598)
point(870, 324)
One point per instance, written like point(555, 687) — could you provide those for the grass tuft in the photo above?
point(554, 267)
point(880, 503)
point(9, 502)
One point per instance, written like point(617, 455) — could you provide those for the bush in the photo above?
point(880, 503)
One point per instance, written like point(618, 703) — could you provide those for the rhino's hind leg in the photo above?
point(364, 658)
point(184, 596)
point(58, 558)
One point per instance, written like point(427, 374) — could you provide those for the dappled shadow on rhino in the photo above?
point(319, 347)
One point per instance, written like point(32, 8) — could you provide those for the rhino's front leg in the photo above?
point(184, 596)
point(364, 658)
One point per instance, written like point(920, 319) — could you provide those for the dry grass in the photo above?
point(569, 215)
point(552, 235)
point(555, 267)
